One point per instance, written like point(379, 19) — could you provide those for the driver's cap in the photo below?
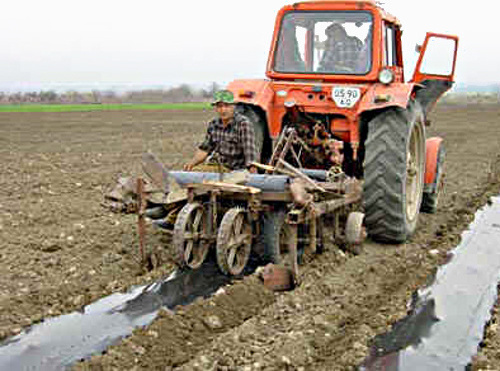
point(223, 96)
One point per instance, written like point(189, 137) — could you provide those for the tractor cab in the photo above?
point(336, 42)
point(342, 41)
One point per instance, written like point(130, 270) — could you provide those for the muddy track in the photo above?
point(67, 160)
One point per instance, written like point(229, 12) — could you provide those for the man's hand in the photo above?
point(188, 167)
point(199, 157)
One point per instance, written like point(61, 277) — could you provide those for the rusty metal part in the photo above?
point(336, 175)
point(155, 171)
point(296, 216)
point(299, 193)
point(141, 223)
point(255, 208)
point(337, 232)
point(336, 187)
point(190, 194)
point(191, 236)
point(234, 241)
point(212, 226)
point(300, 174)
point(227, 187)
point(337, 147)
point(311, 247)
point(120, 206)
point(325, 207)
point(156, 212)
point(292, 252)
point(277, 278)
point(273, 169)
point(323, 238)
point(284, 145)
point(123, 197)
point(355, 147)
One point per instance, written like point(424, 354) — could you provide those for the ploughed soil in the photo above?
point(60, 249)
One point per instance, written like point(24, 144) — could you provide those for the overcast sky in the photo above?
point(196, 42)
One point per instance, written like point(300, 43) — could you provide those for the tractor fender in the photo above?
point(432, 146)
point(253, 92)
point(380, 96)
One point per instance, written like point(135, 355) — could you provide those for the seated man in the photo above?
point(341, 51)
point(364, 62)
point(229, 140)
point(229, 144)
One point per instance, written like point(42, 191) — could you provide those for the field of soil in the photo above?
point(60, 249)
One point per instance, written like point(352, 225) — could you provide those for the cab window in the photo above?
point(330, 42)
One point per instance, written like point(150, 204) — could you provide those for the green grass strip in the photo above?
point(101, 107)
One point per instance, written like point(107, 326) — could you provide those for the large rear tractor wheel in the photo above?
point(394, 169)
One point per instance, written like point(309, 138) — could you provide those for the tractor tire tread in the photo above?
point(385, 174)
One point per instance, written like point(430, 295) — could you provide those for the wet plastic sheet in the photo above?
point(447, 318)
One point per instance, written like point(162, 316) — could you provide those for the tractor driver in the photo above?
point(229, 142)
point(341, 51)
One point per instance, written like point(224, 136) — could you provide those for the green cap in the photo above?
point(223, 96)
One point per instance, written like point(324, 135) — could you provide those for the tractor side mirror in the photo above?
point(418, 48)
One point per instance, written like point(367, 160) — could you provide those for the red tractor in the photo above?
point(339, 63)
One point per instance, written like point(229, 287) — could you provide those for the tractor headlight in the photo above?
point(386, 76)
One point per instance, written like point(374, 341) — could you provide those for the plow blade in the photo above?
point(155, 171)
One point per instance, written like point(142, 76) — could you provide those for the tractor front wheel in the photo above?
point(394, 169)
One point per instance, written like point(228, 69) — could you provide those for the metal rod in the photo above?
point(213, 210)
point(292, 249)
point(326, 207)
point(141, 208)
point(301, 175)
point(312, 234)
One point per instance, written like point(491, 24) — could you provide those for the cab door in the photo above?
point(435, 69)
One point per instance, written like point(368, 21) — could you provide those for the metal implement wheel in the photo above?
point(234, 241)
point(394, 169)
point(191, 235)
point(355, 232)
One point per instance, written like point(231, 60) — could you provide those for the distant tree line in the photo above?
point(178, 94)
